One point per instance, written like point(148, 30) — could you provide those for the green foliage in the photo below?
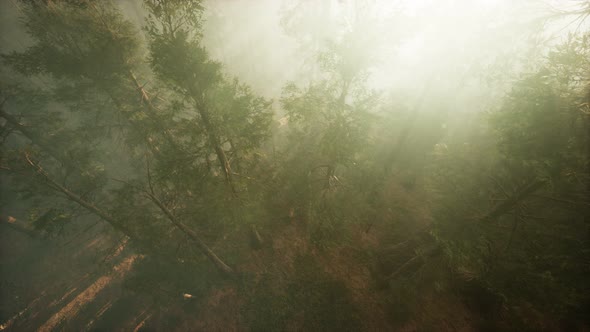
point(147, 157)
point(183, 63)
point(243, 117)
point(70, 40)
point(165, 280)
point(351, 56)
point(327, 302)
point(171, 16)
point(313, 301)
point(219, 115)
point(402, 302)
point(51, 222)
point(319, 114)
point(268, 310)
point(539, 130)
point(329, 125)
point(543, 121)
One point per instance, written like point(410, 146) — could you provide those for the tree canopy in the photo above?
point(342, 203)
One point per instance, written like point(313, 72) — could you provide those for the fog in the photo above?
point(268, 43)
point(301, 165)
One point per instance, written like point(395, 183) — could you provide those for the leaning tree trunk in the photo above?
point(97, 211)
point(124, 229)
point(35, 139)
point(220, 264)
point(80, 201)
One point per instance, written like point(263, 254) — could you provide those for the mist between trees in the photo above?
point(297, 165)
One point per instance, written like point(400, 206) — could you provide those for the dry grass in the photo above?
point(71, 309)
point(220, 312)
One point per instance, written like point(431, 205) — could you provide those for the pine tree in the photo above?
point(89, 55)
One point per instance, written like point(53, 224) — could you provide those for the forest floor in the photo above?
point(73, 285)
point(289, 284)
point(48, 287)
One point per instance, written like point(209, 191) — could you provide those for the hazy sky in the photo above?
point(418, 39)
point(412, 41)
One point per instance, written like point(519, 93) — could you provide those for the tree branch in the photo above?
point(510, 202)
point(186, 230)
point(77, 199)
point(560, 200)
